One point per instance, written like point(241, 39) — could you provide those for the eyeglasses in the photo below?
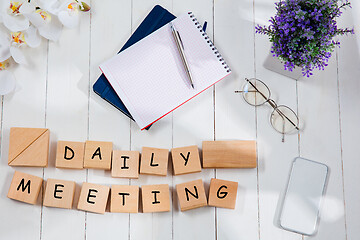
point(283, 119)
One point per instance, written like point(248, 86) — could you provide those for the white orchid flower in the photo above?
point(7, 79)
point(13, 14)
point(70, 16)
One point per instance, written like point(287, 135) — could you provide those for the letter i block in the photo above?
point(59, 193)
point(191, 195)
point(155, 198)
point(25, 187)
point(93, 198)
point(124, 199)
point(98, 155)
point(222, 193)
point(70, 155)
point(154, 161)
point(125, 164)
point(186, 160)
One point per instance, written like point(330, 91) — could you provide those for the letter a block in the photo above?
point(124, 199)
point(186, 160)
point(98, 155)
point(191, 195)
point(93, 198)
point(29, 147)
point(125, 164)
point(59, 193)
point(70, 155)
point(25, 187)
point(222, 193)
point(154, 161)
point(155, 198)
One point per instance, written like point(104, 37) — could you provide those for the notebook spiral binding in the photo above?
point(216, 52)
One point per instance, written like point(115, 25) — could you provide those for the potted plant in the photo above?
point(302, 33)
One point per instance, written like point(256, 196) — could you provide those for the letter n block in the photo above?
point(25, 187)
point(59, 193)
point(191, 195)
point(93, 198)
point(98, 155)
point(125, 164)
point(222, 193)
point(124, 199)
point(154, 161)
point(155, 198)
point(70, 155)
point(186, 160)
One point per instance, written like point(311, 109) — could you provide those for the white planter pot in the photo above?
point(274, 64)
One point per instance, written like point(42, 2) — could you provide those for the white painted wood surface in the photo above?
point(55, 91)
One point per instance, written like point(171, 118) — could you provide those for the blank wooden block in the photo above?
point(125, 164)
point(186, 160)
point(59, 193)
point(98, 155)
point(155, 198)
point(191, 195)
point(154, 161)
point(124, 199)
point(25, 187)
point(70, 154)
point(93, 198)
point(229, 154)
point(29, 147)
point(222, 193)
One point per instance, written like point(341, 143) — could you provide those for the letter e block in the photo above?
point(70, 155)
point(191, 195)
point(154, 161)
point(186, 160)
point(222, 193)
point(124, 199)
point(98, 155)
point(59, 193)
point(155, 198)
point(93, 198)
point(125, 164)
point(25, 187)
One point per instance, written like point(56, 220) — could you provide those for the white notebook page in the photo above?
point(149, 76)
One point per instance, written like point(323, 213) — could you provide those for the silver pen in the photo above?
point(180, 48)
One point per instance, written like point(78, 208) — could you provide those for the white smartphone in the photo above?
point(303, 196)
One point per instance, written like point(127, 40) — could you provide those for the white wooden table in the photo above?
point(55, 92)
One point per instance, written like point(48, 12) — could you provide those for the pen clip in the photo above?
point(177, 32)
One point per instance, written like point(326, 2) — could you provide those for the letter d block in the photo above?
point(191, 195)
point(59, 193)
point(155, 198)
point(93, 198)
point(70, 155)
point(98, 155)
point(25, 187)
point(222, 193)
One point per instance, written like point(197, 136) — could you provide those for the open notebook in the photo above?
point(149, 76)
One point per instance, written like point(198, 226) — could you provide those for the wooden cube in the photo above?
point(25, 187)
point(70, 155)
point(93, 198)
point(222, 193)
point(191, 195)
point(29, 147)
point(98, 155)
point(186, 160)
point(59, 193)
point(125, 164)
point(229, 154)
point(124, 199)
point(155, 198)
point(154, 161)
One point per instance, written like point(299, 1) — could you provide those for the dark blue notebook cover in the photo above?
point(157, 18)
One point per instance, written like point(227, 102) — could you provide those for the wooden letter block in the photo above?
point(29, 147)
point(155, 198)
point(98, 155)
point(186, 160)
point(70, 155)
point(191, 195)
point(124, 199)
point(59, 193)
point(222, 193)
point(229, 154)
point(125, 164)
point(25, 187)
point(154, 161)
point(93, 198)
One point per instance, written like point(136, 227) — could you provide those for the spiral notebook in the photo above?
point(149, 76)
